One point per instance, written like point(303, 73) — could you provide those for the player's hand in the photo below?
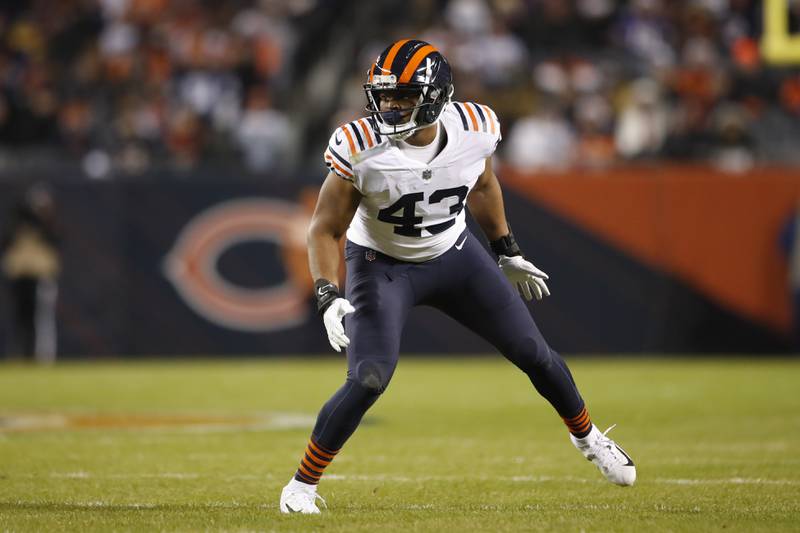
point(528, 279)
point(333, 323)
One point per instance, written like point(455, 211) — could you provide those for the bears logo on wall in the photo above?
point(192, 265)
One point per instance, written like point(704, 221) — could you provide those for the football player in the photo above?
point(398, 184)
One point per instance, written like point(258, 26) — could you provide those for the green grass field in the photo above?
point(454, 444)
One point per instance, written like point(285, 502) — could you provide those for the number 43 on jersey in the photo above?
point(407, 223)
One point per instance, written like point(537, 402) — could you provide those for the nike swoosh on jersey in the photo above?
point(337, 139)
point(460, 246)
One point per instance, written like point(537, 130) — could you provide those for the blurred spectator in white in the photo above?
point(204, 91)
point(480, 45)
point(468, 17)
point(552, 78)
point(497, 57)
point(264, 133)
point(31, 264)
point(648, 33)
point(732, 149)
point(643, 121)
point(585, 77)
point(543, 141)
point(594, 126)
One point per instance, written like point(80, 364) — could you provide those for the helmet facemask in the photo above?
point(400, 124)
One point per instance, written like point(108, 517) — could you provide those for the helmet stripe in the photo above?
point(414, 62)
point(387, 63)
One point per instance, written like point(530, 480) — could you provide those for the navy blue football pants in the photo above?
point(464, 283)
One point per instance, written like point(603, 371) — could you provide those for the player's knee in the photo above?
point(373, 376)
point(532, 354)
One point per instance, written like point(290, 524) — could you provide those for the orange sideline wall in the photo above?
point(718, 232)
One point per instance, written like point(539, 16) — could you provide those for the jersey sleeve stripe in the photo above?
point(480, 114)
point(472, 117)
point(349, 139)
point(367, 135)
point(341, 159)
point(343, 172)
point(491, 118)
point(463, 117)
point(414, 62)
point(358, 135)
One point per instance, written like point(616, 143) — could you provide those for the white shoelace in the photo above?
point(313, 496)
point(320, 498)
point(604, 446)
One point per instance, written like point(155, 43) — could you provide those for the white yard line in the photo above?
point(728, 481)
point(135, 506)
point(422, 479)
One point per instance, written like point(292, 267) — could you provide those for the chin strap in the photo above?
point(406, 134)
point(401, 136)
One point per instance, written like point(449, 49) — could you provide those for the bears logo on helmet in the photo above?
point(409, 68)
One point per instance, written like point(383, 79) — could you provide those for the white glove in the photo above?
point(524, 276)
point(333, 323)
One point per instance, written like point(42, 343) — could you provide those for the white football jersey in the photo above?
point(410, 210)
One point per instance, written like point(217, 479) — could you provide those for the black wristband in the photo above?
point(506, 245)
point(326, 292)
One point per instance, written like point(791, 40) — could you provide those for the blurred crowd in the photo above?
point(598, 82)
point(124, 86)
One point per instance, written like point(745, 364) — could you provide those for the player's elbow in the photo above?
point(319, 231)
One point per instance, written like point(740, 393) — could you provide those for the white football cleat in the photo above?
point(613, 462)
point(298, 497)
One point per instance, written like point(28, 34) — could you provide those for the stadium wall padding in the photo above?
point(716, 232)
point(179, 267)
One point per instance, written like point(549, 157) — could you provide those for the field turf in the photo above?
point(454, 444)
